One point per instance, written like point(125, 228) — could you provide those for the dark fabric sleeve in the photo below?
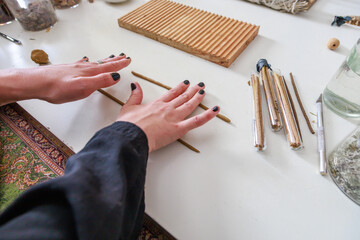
point(101, 195)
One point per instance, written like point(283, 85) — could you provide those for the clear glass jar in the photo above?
point(342, 92)
point(66, 3)
point(5, 14)
point(33, 15)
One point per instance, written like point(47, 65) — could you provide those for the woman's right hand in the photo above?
point(163, 120)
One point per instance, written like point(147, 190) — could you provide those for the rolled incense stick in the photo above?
point(111, 97)
point(222, 117)
point(291, 130)
point(301, 105)
point(274, 115)
point(259, 138)
point(122, 104)
point(293, 107)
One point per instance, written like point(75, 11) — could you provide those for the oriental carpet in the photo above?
point(30, 154)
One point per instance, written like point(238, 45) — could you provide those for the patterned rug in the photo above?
point(30, 154)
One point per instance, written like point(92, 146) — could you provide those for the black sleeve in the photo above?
point(101, 195)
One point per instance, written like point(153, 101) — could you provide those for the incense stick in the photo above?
point(289, 121)
point(122, 104)
point(259, 138)
point(293, 108)
point(301, 105)
point(222, 117)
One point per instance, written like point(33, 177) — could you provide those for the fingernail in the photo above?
point(215, 109)
point(122, 54)
point(127, 57)
point(201, 92)
point(111, 56)
point(115, 76)
point(186, 82)
point(133, 86)
point(85, 57)
point(201, 84)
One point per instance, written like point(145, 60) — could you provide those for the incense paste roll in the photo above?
point(264, 69)
point(291, 129)
point(258, 126)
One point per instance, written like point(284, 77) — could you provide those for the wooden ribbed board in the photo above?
point(210, 36)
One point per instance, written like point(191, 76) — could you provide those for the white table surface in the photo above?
point(228, 191)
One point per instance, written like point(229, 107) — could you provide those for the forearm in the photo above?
point(20, 84)
point(101, 193)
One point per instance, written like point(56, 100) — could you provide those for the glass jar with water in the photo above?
point(342, 94)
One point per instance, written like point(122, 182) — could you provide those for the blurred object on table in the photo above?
point(353, 20)
point(60, 4)
point(342, 92)
point(33, 15)
point(290, 6)
point(5, 14)
point(344, 166)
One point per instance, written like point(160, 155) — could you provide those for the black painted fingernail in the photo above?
point(127, 57)
point(201, 92)
point(186, 82)
point(115, 76)
point(122, 54)
point(215, 109)
point(111, 56)
point(201, 84)
point(133, 86)
point(85, 57)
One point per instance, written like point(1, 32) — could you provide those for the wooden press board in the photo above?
point(210, 36)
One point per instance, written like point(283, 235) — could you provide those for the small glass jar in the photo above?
point(33, 15)
point(60, 4)
point(5, 14)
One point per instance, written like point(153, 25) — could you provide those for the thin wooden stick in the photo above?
point(122, 104)
point(111, 97)
point(293, 108)
point(301, 105)
point(222, 117)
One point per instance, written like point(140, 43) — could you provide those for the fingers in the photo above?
point(136, 95)
point(199, 120)
point(186, 96)
point(98, 81)
point(175, 92)
point(112, 58)
point(84, 59)
point(187, 108)
point(112, 65)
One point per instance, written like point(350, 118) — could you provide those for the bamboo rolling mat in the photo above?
point(210, 36)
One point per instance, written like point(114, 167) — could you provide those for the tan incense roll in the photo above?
point(122, 104)
point(270, 99)
point(259, 137)
point(289, 121)
point(222, 117)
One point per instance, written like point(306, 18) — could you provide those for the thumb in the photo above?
point(136, 96)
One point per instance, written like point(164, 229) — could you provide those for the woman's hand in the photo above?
point(163, 120)
point(60, 83)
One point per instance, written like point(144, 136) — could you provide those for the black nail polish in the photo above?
point(201, 84)
point(127, 57)
point(133, 86)
point(85, 57)
point(115, 76)
point(215, 109)
point(201, 92)
point(186, 82)
point(122, 54)
point(111, 56)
